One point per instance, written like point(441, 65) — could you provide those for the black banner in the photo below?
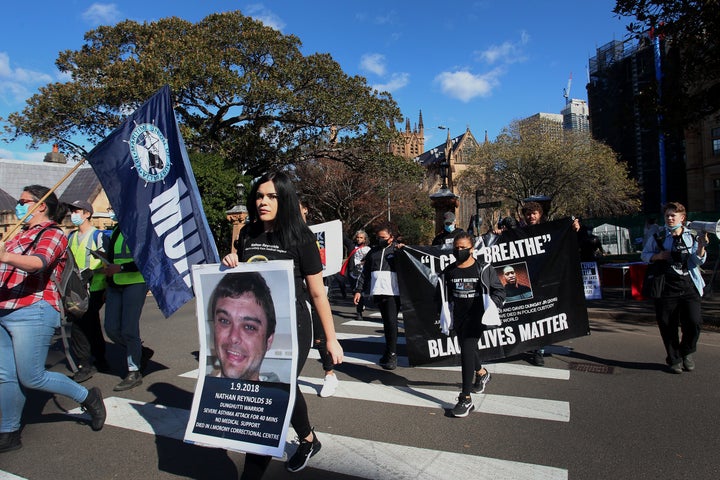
point(545, 301)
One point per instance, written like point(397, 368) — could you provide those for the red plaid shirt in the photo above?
point(19, 288)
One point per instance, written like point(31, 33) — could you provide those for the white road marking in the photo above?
point(344, 455)
point(524, 407)
point(9, 476)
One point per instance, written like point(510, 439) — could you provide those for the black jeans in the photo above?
point(87, 339)
point(681, 312)
point(389, 307)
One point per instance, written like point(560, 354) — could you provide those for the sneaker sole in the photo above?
point(463, 415)
point(313, 452)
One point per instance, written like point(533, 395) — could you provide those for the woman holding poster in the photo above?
point(277, 232)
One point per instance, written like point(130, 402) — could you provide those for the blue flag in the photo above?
point(144, 168)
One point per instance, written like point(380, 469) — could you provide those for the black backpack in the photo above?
point(73, 284)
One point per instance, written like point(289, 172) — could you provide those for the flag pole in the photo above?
point(9, 234)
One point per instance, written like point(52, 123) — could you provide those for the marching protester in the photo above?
point(466, 280)
point(30, 306)
point(125, 299)
point(355, 262)
point(444, 239)
point(87, 244)
point(379, 279)
point(681, 254)
point(277, 232)
point(330, 381)
point(533, 215)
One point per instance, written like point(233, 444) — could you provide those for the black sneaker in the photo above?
point(132, 380)
point(303, 453)
point(94, 405)
point(388, 361)
point(84, 373)
point(538, 358)
point(10, 441)
point(463, 408)
point(145, 357)
point(480, 382)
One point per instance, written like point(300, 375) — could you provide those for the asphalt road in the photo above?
point(603, 407)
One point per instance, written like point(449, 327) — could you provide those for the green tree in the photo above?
point(241, 90)
point(360, 198)
point(690, 27)
point(216, 181)
point(581, 175)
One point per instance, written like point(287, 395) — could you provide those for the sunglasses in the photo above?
point(22, 201)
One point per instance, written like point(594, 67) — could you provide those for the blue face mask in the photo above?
point(21, 211)
point(76, 219)
point(449, 228)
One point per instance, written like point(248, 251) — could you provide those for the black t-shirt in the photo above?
point(305, 257)
point(465, 292)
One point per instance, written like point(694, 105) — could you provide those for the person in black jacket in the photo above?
point(466, 281)
point(379, 279)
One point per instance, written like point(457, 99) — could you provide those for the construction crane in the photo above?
point(566, 91)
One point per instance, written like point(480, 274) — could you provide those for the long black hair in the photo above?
point(289, 228)
point(56, 210)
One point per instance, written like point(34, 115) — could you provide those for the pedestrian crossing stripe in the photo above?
point(537, 408)
point(341, 454)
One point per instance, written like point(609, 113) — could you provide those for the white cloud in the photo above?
point(102, 14)
point(374, 63)
point(396, 82)
point(465, 86)
point(16, 83)
point(259, 12)
point(507, 52)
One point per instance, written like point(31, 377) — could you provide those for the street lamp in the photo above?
point(478, 200)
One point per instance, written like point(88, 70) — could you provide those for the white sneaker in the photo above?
point(329, 385)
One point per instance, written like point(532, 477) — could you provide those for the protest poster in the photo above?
point(540, 268)
point(245, 390)
point(591, 280)
point(329, 240)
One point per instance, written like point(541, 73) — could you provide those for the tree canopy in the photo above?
point(691, 27)
point(241, 89)
point(581, 175)
point(360, 198)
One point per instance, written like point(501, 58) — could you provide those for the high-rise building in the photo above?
point(576, 116)
point(626, 113)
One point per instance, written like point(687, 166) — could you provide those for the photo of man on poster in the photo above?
point(514, 290)
point(242, 315)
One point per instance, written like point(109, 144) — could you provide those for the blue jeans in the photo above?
point(123, 307)
point(25, 336)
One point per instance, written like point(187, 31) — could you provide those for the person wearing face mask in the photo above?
point(87, 341)
point(379, 279)
point(466, 280)
point(444, 239)
point(30, 306)
point(681, 254)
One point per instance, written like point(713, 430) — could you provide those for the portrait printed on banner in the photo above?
point(516, 281)
point(246, 383)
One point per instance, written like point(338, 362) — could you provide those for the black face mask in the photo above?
point(461, 255)
point(382, 243)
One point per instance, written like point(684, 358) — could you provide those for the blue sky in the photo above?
point(477, 64)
